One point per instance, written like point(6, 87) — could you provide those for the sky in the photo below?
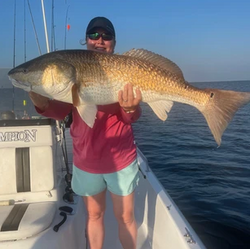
point(208, 39)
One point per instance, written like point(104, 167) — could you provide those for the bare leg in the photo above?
point(95, 206)
point(124, 212)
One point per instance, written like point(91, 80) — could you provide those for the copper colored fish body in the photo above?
point(88, 78)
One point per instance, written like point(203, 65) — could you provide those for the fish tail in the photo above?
point(221, 108)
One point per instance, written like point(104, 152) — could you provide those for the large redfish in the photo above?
point(88, 78)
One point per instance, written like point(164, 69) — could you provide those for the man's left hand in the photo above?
point(127, 100)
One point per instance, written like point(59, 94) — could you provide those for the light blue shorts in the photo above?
point(122, 182)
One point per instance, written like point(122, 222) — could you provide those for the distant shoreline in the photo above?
point(195, 82)
point(217, 81)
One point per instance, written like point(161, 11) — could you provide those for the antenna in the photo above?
point(14, 55)
point(66, 19)
point(14, 47)
point(45, 27)
point(33, 24)
point(25, 54)
point(53, 40)
point(24, 29)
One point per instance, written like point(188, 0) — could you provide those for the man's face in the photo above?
point(101, 45)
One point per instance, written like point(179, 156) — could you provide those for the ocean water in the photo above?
point(210, 184)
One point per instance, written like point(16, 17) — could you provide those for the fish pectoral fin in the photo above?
point(161, 108)
point(87, 113)
point(75, 95)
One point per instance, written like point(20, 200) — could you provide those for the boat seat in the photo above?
point(27, 169)
point(22, 221)
point(28, 180)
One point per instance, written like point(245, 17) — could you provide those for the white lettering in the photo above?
point(25, 136)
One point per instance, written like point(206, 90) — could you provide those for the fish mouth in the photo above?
point(10, 72)
point(24, 85)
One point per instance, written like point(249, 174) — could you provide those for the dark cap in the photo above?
point(101, 22)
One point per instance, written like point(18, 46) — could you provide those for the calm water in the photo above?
point(210, 185)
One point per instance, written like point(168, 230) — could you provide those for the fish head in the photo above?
point(46, 75)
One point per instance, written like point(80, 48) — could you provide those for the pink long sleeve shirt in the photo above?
point(105, 148)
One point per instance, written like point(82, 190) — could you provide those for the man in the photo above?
point(104, 156)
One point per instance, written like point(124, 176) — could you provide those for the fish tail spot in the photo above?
point(220, 109)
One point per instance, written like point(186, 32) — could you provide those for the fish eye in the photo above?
point(25, 70)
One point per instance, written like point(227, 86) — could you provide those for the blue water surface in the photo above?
point(210, 184)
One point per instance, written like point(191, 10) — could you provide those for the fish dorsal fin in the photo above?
point(161, 108)
point(155, 59)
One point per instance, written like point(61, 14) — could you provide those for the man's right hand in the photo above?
point(39, 101)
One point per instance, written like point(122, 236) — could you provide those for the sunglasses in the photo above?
point(96, 36)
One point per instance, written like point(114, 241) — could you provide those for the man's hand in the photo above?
point(39, 101)
point(127, 100)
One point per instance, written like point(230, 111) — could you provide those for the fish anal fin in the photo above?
point(87, 113)
point(75, 95)
point(161, 108)
point(221, 108)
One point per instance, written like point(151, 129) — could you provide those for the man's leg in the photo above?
point(95, 206)
point(124, 213)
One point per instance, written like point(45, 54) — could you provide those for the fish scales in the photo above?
point(89, 78)
point(145, 76)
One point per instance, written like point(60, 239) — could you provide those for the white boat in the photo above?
point(33, 188)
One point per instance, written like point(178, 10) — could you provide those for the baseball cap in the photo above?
point(101, 22)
